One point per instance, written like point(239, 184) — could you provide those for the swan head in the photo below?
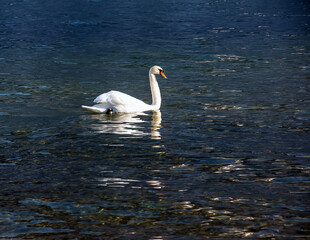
point(157, 70)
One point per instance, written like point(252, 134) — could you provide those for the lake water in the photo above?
point(227, 156)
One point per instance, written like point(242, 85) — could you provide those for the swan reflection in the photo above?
point(125, 124)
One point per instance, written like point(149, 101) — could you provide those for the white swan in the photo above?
point(118, 102)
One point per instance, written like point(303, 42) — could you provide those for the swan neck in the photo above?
point(156, 97)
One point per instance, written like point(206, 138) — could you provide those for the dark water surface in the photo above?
point(227, 156)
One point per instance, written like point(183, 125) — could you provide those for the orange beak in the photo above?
point(162, 74)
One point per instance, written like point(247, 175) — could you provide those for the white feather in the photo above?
point(122, 102)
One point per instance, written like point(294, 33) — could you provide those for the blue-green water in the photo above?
point(227, 156)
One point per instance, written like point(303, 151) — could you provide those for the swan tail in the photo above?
point(95, 109)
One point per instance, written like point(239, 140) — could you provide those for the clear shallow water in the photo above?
point(227, 156)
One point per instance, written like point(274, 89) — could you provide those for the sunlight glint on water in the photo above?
point(226, 157)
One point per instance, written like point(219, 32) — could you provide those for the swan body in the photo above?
point(118, 102)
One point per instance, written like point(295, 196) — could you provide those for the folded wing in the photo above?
point(120, 102)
